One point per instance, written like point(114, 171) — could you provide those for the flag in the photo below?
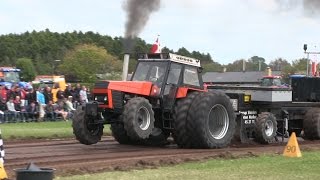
point(155, 48)
point(314, 66)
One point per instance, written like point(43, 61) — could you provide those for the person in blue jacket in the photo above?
point(41, 102)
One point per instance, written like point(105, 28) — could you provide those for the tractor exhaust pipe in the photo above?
point(125, 66)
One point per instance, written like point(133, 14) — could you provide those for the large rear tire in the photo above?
point(84, 129)
point(265, 128)
point(138, 118)
point(212, 120)
point(180, 134)
point(311, 124)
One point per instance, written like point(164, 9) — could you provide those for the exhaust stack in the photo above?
point(125, 67)
point(243, 65)
point(268, 71)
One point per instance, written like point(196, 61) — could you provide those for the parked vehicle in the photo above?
point(268, 111)
point(10, 76)
point(54, 82)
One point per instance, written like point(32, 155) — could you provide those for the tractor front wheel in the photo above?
point(84, 129)
point(138, 118)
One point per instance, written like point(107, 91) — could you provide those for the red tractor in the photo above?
point(164, 97)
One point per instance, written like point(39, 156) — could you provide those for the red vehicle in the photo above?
point(165, 97)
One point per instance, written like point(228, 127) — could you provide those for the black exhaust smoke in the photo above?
point(310, 7)
point(138, 14)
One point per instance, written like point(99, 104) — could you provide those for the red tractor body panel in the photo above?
point(133, 87)
point(183, 91)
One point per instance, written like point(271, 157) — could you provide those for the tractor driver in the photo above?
point(157, 75)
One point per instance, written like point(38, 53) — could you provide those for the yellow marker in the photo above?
point(3, 174)
point(292, 148)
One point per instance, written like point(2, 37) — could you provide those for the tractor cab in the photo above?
point(272, 81)
point(170, 74)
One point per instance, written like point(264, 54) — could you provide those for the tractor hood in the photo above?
point(134, 87)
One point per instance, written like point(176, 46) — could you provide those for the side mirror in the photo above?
point(200, 69)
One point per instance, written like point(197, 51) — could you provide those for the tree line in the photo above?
point(82, 55)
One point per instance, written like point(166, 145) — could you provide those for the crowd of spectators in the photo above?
point(28, 104)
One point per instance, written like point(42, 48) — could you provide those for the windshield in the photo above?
point(153, 71)
point(43, 85)
point(277, 82)
point(11, 76)
point(271, 82)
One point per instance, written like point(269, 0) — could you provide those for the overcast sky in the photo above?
point(227, 29)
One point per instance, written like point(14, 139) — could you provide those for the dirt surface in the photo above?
point(69, 157)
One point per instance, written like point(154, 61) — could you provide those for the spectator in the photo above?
point(47, 95)
point(33, 112)
point(75, 98)
point(13, 114)
point(3, 109)
point(60, 95)
point(77, 90)
point(22, 93)
point(20, 108)
point(11, 93)
point(69, 106)
point(3, 92)
point(50, 111)
point(68, 91)
point(83, 95)
point(41, 103)
point(59, 110)
point(31, 95)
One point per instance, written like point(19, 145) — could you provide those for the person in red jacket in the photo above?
point(3, 92)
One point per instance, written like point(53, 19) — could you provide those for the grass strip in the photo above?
point(271, 167)
point(40, 130)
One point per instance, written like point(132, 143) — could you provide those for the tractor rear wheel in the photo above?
point(180, 134)
point(311, 124)
point(84, 129)
point(265, 128)
point(212, 120)
point(138, 118)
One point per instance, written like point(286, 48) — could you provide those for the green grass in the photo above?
point(39, 130)
point(263, 167)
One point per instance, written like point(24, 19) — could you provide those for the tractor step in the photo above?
point(167, 119)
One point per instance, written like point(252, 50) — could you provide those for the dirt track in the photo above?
point(69, 157)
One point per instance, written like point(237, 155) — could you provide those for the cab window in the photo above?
point(190, 76)
point(174, 73)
